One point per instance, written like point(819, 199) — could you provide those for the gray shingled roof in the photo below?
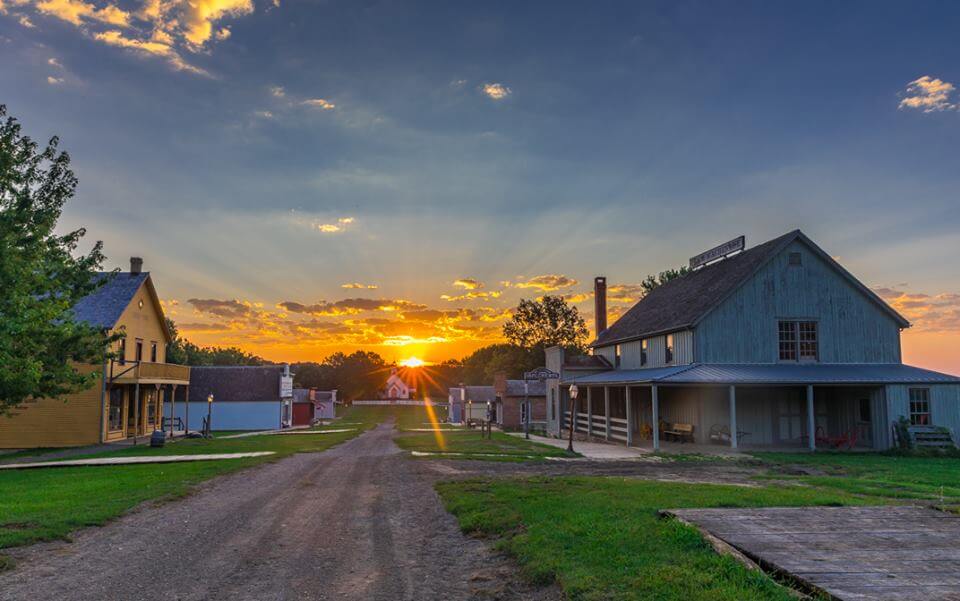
point(103, 307)
point(235, 383)
point(682, 302)
point(515, 388)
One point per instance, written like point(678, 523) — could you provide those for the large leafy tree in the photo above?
point(41, 276)
point(549, 321)
point(355, 376)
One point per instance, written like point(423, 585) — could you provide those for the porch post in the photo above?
point(589, 412)
point(655, 402)
point(186, 410)
point(733, 417)
point(136, 412)
point(629, 415)
point(173, 408)
point(606, 409)
point(811, 420)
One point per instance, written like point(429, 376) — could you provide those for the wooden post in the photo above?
point(186, 411)
point(811, 420)
point(589, 412)
point(626, 392)
point(173, 408)
point(606, 409)
point(733, 417)
point(655, 402)
point(136, 412)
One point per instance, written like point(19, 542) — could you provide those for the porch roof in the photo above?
point(779, 374)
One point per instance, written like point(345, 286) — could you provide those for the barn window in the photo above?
point(153, 352)
point(616, 356)
point(796, 259)
point(122, 352)
point(138, 355)
point(668, 350)
point(643, 352)
point(798, 340)
point(920, 406)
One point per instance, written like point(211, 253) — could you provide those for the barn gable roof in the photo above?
point(683, 302)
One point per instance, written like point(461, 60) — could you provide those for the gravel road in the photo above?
point(359, 521)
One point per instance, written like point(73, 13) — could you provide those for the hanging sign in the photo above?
point(718, 252)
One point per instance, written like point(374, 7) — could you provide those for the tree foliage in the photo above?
point(653, 281)
point(550, 321)
point(41, 277)
point(480, 367)
point(184, 352)
point(355, 376)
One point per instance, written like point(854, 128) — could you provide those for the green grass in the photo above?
point(473, 445)
point(877, 474)
point(48, 504)
point(602, 538)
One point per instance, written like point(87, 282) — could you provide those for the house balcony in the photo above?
point(143, 372)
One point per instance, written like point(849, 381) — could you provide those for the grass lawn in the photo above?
point(472, 445)
point(47, 504)
point(601, 538)
point(877, 474)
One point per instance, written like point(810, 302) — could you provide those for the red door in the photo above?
point(302, 414)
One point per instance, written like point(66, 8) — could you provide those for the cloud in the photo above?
point(472, 295)
point(156, 47)
point(496, 91)
point(200, 15)
point(26, 22)
point(78, 12)
point(319, 103)
point(263, 114)
point(333, 228)
point(468, 284)
point(349, 306)
point(548, 282)
point(222, 308)
point(624, 293)
point(929, 95)
point(54, 63)
point(359, 286)
point(54, 81)
point(277, 91)
point(927, 312)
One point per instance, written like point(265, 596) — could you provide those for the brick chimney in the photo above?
point(600, 303)
point(136, 265)
point(500, 382)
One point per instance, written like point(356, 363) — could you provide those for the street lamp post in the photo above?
point(209, 413)
point(526, 406)
point(574, 391)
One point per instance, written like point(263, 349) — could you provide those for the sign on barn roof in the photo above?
point(718, 252)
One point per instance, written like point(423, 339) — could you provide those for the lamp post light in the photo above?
point(574, 391)
point(209, 413)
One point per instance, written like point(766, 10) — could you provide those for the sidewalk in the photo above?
point(591, 450)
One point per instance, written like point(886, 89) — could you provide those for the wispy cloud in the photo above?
point(319, 103)
point(468, 284)
point(472, 295)
point(548, 282)
point(496, 91)
point(929, 94)
point(278, 91)
point(332, 228)
point(927, 312)
point(54, 81)
point(359, 286)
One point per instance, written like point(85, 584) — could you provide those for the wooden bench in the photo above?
point(681, 432)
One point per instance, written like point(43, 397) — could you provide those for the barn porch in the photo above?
point(767, 406)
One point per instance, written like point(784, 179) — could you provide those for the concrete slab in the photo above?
point(592, 450)
point(133, 460)
point(855, 553)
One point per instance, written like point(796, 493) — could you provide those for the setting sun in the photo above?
point(413, 362)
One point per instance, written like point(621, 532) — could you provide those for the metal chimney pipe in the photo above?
point(136, 265)
point(600, 303)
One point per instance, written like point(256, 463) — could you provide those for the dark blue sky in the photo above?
point(493, 140)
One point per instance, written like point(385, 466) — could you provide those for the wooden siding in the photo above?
point(944, 405)
point(656, 351)
point(145, 323)
point(68, 422)
point(852, 328)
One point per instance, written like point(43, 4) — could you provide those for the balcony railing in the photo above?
point(132, 371)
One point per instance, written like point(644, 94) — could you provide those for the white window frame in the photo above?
point(919, 408)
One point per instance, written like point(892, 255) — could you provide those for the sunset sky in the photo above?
point(303, 177)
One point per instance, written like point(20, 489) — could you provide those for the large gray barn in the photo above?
point(769, 343)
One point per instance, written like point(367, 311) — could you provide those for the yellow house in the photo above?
point(127, 398)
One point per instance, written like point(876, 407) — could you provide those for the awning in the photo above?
point(771, 374)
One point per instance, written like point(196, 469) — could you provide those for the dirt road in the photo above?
point(359, 521)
